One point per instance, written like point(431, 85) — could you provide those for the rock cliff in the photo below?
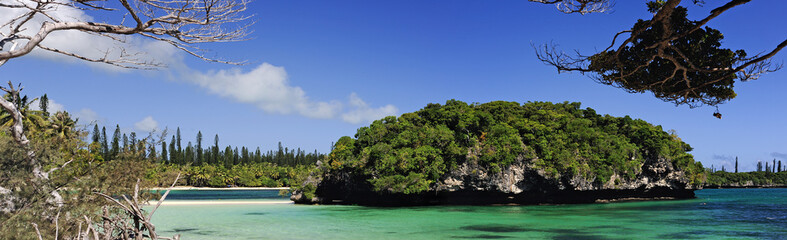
point(519, 183)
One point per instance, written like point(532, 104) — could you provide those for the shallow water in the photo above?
point(715, 214)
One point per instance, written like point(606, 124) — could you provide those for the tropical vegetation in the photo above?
point(409, 153)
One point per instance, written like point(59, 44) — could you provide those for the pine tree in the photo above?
point(115, 142)
point(257, 155)
point(767, 169)
point(189, 154)
point(151, 152)
point(759, 166)
point(235, 157)
point(180, 150)
point(722, 169)
point(228, 155)
point(164, 156)
point(173, 154)
point(216, 149)
point(736, 164)
point(126, 146)
point(43, 104)
point(133, 139)
point(773, 166)
point(96, 134)
point(104, 145)
point(779, 169)
point(199, 148)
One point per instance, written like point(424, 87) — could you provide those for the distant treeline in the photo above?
point(771, 174)
point(209, 166)
point(746, 179)
point(195, 154)
point(263, 174)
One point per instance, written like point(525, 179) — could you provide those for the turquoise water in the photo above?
point(715, 214)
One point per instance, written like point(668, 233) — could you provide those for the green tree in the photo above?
point(180, 150)
point(126, 146)
point(62, 125)
point(216, 149)
point(173, 153)
point(132, 140)
point(200, 160)
point(43, 105)
point(164, 156)
point(104, 144)
point(96, 137)
point(677, 59)
point(115, 143)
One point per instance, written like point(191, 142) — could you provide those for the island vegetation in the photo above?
point(410, 154)
point(771, 174)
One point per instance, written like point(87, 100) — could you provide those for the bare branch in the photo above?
point(579, 6)
point(38, 232)
point(762, 58)
point(130, 64)
point(180, 23)
point(164, 196)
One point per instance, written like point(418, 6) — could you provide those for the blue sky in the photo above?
point(318, 70)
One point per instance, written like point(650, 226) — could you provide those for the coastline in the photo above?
point(742, 186)
point(217, 188)
point(217, 202)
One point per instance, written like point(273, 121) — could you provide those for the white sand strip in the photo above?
point(212, 188)
point(223, 202)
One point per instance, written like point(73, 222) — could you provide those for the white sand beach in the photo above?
point(213, 188)
point(218, 202)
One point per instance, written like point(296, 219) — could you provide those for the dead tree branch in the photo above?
point(183, 24)
point(579, 6)
point(140, 224)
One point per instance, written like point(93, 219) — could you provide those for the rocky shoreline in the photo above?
point(518, 184)
point(745, 186)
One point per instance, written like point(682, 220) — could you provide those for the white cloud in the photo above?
point(55, 107)
point(88, 116)
point(268, 88)
point(362, 113)
point(148, 124)
point(52, 106)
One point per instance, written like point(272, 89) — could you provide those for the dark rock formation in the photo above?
point(519, 183)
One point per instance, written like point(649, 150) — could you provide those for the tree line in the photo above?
point(771, 174)
point(195, 153)
point(772, 167)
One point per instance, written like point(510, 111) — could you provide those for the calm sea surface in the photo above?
point(715, 214)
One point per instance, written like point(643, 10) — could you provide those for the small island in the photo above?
point(503, 153)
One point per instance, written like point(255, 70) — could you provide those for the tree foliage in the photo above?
point(678, 59)
point(409, 153)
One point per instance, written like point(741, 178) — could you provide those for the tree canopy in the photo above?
point(406, 154)
point(678, 59)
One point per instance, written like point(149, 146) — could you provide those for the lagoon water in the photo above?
point(715, 214)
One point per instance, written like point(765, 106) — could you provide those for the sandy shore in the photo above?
point(221, 202)
point(212, 188)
